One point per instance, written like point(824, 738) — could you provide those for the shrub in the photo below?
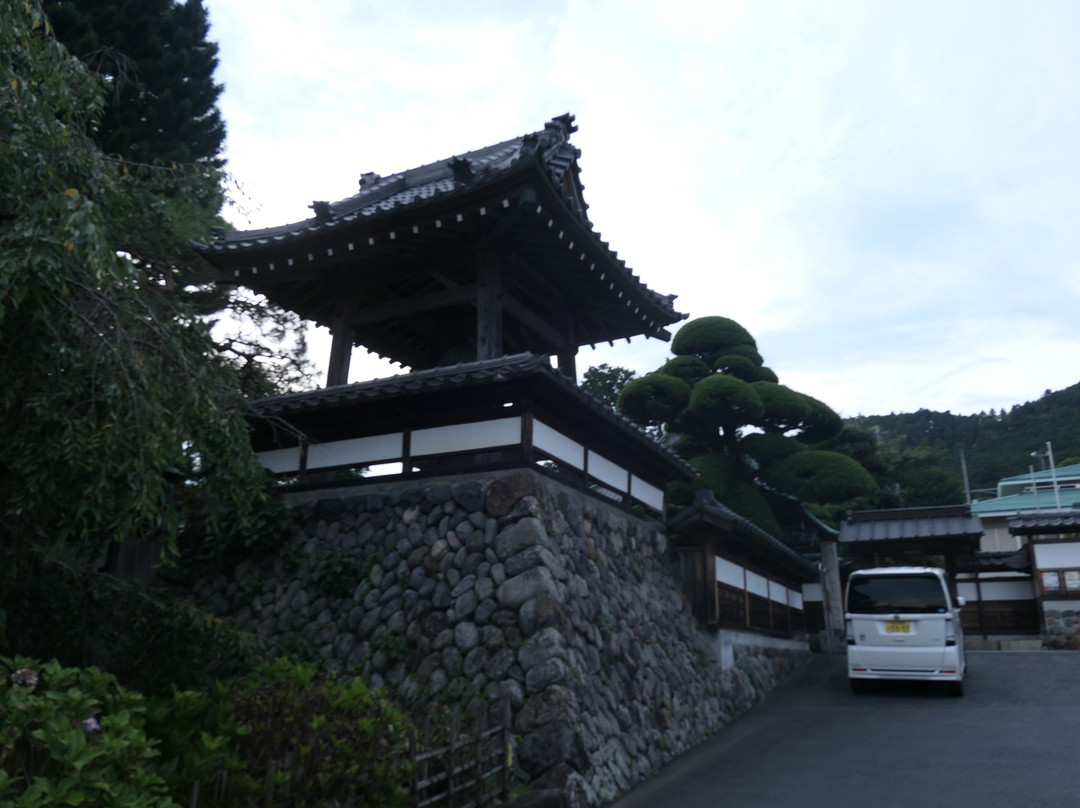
point(196, 733)
point(337, 571)
point(149, 639)
point(326, 740)
point(72, 736)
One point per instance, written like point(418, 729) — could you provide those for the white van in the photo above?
point(903, 623)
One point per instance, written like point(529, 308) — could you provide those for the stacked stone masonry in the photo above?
point(475, 590)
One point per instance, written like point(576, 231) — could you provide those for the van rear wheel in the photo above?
point(859, 686)
point(954, 689)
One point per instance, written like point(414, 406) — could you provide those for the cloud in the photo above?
point(884, 194)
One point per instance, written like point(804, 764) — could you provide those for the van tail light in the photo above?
point(950, 631)
point(849, 631)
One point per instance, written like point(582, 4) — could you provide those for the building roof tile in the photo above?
point(904, 524)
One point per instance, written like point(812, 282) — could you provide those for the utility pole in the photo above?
point(1053, 475)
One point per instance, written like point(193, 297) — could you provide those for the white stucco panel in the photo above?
point(610, 474)
point(355, 452)
point(1057, 555)
point(729, 574)
point(995, 590)
point(649, 494)
point(812, 593)
point(465, 437)
point(281, 461)
point(757, 584)
point(557, 445)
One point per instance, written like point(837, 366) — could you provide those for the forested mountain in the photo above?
point(996, 444)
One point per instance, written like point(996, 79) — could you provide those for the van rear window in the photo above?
point(881, 594)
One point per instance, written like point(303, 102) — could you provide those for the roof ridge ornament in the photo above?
point(563, 124)
point(322, 211)
point(463, 170)
point(530, 142)
point(368, 179)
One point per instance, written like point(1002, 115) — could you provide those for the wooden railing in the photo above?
point(467, 771)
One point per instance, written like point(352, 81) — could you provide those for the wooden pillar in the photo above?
point(746, 598)
point(489, 321)
point(712, 602)
point(568, 355)
point(979, 598)
point(337, 371)
point(833, 595)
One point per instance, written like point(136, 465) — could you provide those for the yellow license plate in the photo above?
point(897, 627)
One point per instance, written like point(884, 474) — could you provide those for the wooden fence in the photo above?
point(464, 771)
point(467, 771)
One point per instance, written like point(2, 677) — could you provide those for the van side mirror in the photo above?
point(961, 601)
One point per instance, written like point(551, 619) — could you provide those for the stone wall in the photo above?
point(1062, 624)
point(477, 589)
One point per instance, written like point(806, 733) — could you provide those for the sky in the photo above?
point(885, 194)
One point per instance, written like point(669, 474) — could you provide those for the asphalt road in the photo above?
point(1012, 740)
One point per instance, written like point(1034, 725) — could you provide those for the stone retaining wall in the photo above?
point(482, 588)
point(1062, 624)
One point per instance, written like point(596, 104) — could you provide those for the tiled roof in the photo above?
point(466, 375)
point(708, 509)
point(381, 195)
point(1039, 522)
point(399, 261)
point(901, 524)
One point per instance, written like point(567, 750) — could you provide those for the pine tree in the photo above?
point(161, 121)
point(155, 55)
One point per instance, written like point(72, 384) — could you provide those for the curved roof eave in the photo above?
point(540, 158)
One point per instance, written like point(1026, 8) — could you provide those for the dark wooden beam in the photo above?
point(568, 353)
point(340, 352)
point(489, 314)
point(409, 306)
point(534, 323)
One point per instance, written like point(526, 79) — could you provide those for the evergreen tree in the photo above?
point(751, 439)
point(606, 382)
point(118, 422)
point(159, 64)
point(161, 121)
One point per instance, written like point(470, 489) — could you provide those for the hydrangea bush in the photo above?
point(73, 736)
